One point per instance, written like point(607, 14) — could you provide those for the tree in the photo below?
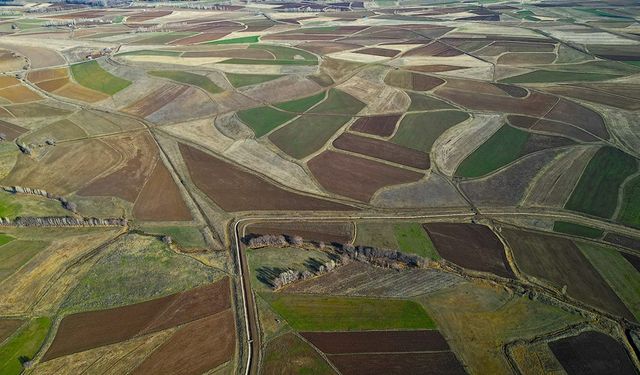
point(297, 240)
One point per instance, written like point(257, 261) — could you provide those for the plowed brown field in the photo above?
point(160, 199)
point(439, 363)
point(384, 150)
point(377, 341)
point(376, 125)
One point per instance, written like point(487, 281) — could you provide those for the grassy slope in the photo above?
point(189, 78)
point(328, 313)
point(630, 209)
point(90, 74)
point(597, 189)
point(301, 105)
point(15, 254)
point(378, 234)
point(147, 269)
point(23, 345)
point(623, 278)
point(576, 229)
point(412, 238)
point(502, 148)
point(244, 39)
point(288, 354)
point(184, 236)
point(5, 239)
point(14, 205)
point(420, 130)
point(241, 80)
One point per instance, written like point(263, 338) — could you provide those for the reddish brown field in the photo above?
point(535, 104)
point(77, 92)
point(384, 150)
point(148, 15)
point(379, 52)
point(485, 88)
point(234, 189)
point(434, 49)
point(127, 181)
point(439, 363)
point(421, 82)
point(156, 100)
point(235, 53)
point(195, 348)
point(597, 96)
point(553, 127)
point(382, 126)
point(19, 94)
point(340, 232)
point(53, 84)
point(8, 327)
point(377, 341)
point(579, 116)
point(200, 38)
point(334, 169)
point(471, 246)
point(10, 130)
point(82, 331)
point(160, 199)
point(592, 353)
point(323, 48)
point(47, 74)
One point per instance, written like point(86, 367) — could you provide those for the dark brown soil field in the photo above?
point(442, 363)
point(377, 341)
point(233, 189)
point(382, 126)
point(53, 84)
point(127, 181)
point(160, 199)
point(384, 150)
point(323, 48)
point(334, 169)
point(634, 260)
point(471, 246)
point(423, 82)
point(8, 327)
point(592, 353)
point(82, 331)
point(596, 96)
point(156, 100)
point(148, 15)
point(235, 53)
point(579, 116)
point(514, 91)
point(434, 49)
point(535, 104)
point(618, 239)
point(561, 263)
point(379, 52)
point(550, 126)
point(204, 37)
point(10, 130)
point(340, 232)
point(195, 348)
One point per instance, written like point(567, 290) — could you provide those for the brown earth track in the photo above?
point(10, 130)
point(621, 240)
point(442, 363)
point(160, 199)
point(156, 100)
point(339, 232)
point(559, 261)
point(591, 353)
point(195, 348)
point(377, 341)
point(384, 52)
point(235, 53)
point(471, 246)
point(356, 177)
point(127, 181)
point(550, 126)
point(204, 37)
point(87, 330)
point(382, 126)
point(233, 189)
point(384, 150)
point(580, 116)
point(323, 48)
point(8, 327)
point(434, 49)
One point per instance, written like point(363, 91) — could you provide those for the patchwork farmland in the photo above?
point(393, 187)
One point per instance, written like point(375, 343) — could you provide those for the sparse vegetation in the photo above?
point(90, 74)
point(189, 78)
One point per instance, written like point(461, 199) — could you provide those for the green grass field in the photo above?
point(420, 102)
point(289, 354)
point(502, 148)
point(308, 133)
point(328, 313)
point(5, 239)
point(90, 74)
point(23, 345)
point(301, 105)
point(544, 76)
point(262, 120)
point(146, 269)
point(630, 206)
point(184, 236)
point(189, 78)
point(576, 229)
point(623, 278)
point(17, 253)
point(244, 39)
point(241, 80)
point(597, 189)
point(14, 205)
point(377, 234)
point(420, 130)
point(413, 239)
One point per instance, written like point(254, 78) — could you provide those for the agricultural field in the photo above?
point(393, 187)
